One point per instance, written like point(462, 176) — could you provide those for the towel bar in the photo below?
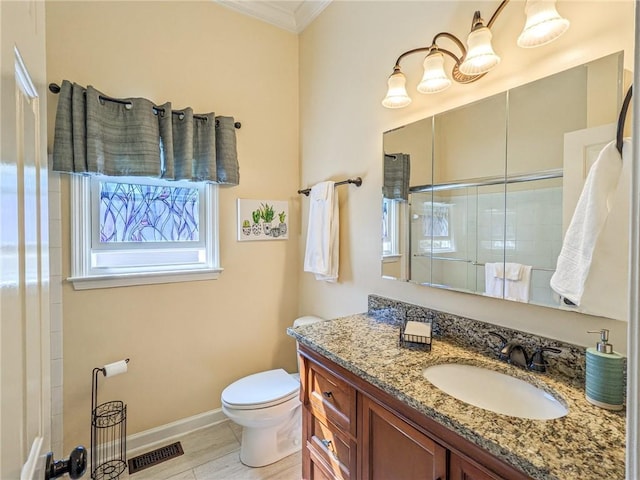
point(356, 181)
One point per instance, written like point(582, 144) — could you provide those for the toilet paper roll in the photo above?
point(115, 368)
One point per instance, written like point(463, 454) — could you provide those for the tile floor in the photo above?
point(213, 453)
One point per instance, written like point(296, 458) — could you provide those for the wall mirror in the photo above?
point(492, 186)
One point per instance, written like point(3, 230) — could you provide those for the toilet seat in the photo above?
point(261, 390)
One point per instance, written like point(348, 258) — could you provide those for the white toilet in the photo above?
point(267, 406)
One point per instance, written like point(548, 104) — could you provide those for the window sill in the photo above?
point(130, 279)
point(391, 258)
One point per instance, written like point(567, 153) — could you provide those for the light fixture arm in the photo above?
point(410, 52)
point(457, 75)
point(455, 72)
point(497, 13)
point(454, 39)
point(477, 57)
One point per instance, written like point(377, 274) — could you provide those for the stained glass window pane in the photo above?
point(133, 213)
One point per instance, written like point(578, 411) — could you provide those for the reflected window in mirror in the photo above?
point(436, 228)
point(390, 228)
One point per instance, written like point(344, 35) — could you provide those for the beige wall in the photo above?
point(186, 341)
point(346, 56)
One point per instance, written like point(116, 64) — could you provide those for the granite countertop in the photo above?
point(588, 443)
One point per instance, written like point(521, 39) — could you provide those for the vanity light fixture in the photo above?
point(543, 25)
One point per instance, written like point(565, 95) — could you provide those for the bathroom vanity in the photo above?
point(369, 413)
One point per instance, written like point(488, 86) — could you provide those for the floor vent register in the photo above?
point(155, 457)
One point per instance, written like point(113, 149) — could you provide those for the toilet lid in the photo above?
point(261, 389)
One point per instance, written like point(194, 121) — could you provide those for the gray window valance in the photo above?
point(395, 185)
point(97, 134)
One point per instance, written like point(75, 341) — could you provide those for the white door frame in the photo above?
point(633, 342)
point(25, 394)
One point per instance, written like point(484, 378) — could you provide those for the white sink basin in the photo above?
point(494, 391)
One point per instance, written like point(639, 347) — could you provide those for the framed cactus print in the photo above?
point(262, 220)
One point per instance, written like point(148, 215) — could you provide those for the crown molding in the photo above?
point(308, 11)
point(275, 13)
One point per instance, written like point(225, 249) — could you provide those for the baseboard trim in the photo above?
point(151, 438)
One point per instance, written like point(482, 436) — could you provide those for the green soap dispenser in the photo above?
point(605, 374)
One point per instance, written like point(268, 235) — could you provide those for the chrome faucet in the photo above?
point(537, 362)
point(515, 354)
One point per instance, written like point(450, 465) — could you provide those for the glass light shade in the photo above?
point(544, 24)
point(434, 79)
point(397, 96)
point(480, 56)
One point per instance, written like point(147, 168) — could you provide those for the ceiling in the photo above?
point(290, 15)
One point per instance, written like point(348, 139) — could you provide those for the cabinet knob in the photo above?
point(327, 394)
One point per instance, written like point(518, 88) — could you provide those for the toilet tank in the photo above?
point(306, 320)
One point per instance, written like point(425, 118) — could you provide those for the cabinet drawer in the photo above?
point(318, 470)
point(333, 447)
point(331, 398)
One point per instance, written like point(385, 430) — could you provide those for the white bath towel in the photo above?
point(588, 219)
point(518, 289)
point(493, 284)
point(321, 254)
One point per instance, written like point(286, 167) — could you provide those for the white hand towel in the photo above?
point(518, 290)
point(493, 284)
point(513, 271)
point(321, 254)
point(606, 291)
point(510, 271)
point(590, 215)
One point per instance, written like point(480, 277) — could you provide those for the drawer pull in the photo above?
point(328, 444)
point(327, 394)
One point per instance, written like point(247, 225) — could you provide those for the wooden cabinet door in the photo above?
point(331, 398)
point(461, 469)
point(391, 448)
point(318, 472)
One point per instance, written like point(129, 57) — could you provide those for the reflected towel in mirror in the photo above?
point(510, 271)
point(508, 280)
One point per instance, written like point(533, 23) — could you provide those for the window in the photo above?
point(390, 227)
point(133, 230)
